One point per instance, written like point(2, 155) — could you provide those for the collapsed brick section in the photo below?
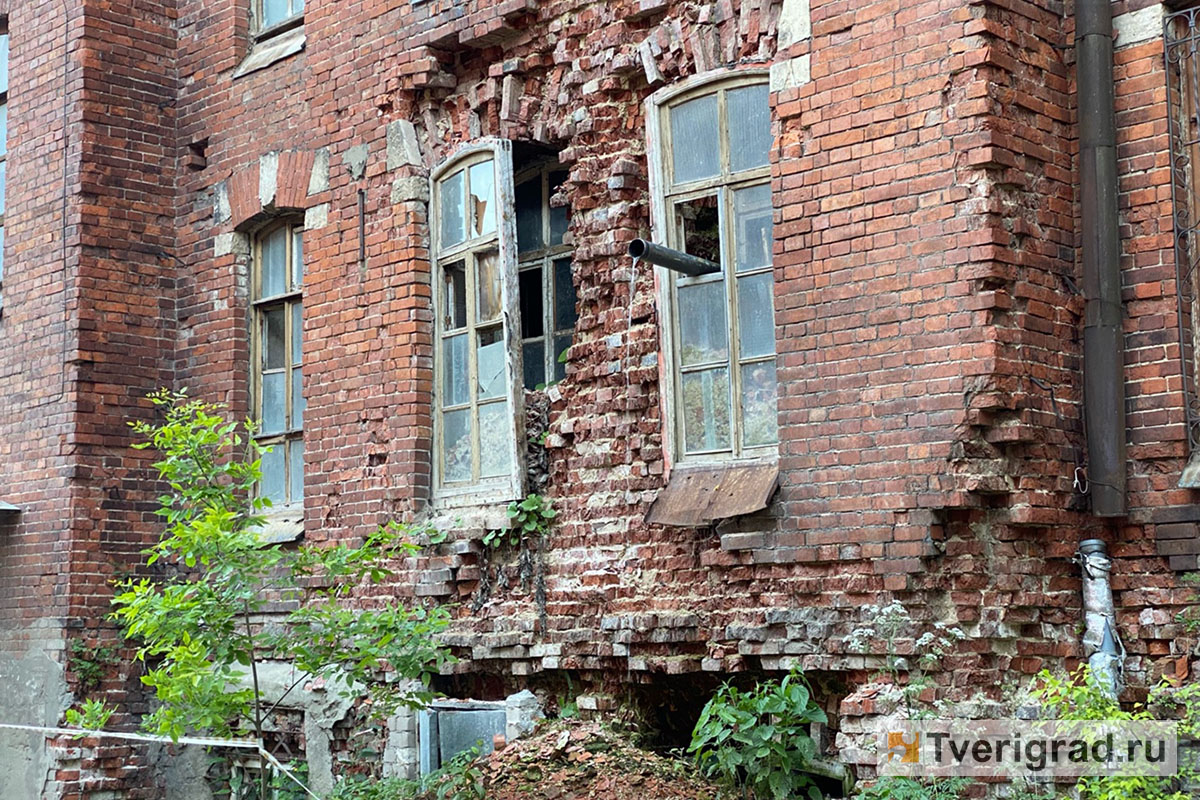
point(926, 307)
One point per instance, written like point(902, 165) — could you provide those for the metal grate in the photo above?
point(1181, 44)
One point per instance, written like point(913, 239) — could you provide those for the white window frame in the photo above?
point(663, 231)
point(500, 489)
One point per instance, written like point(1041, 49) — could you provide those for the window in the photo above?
point(278, 324)
point(1181, 41)
point(3, 145)
point(478, 410)
point(271, 15)
point(713, 200)
point(547, 292)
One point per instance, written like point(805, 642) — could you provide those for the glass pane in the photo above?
point(274, 339)
point(295, 471)
point(454, 227)
point(529, 215)
point(3, 129)
point(274, 263)
point(297, 6)
point(562, 344)
point(454, 372)
point(456, 457)
point(274, 11)
point(755, 229)
point(759, 393)
point(533, 363)
point(298, 401)
point(699, 224)
point(703, 332)
point(273, 477)
point(564, 296)
point(490, 363)
point(1, 252)
point(487, 284)
point(274, 386)
point(483, 194)
point(749, 126)
point(695, 142)
point(297, 258)
point(3, 184)
point(4, 63)
point(297, 333)
point(560, 216)
point(756, 315)
point(456, 296)
point(532, 314)
point(495, 440)
point(706, 410)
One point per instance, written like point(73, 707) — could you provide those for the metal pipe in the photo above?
point(1101, 642)
point(1103, 342)
point(672, 259)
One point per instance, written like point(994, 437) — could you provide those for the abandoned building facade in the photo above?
point(397, 233)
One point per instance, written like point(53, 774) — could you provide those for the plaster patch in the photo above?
point(1134, 27)
point(791, 73)
point(356, 161)
point(316, 217)
point(795, 23)
point(268, 178)
point(402, 147)
point(319, 180)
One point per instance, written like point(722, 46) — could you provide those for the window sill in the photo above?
point(282, 525)
point(697, 496)
point(285, 40)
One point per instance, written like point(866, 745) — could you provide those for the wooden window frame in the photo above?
point(665, 195)
point(545, 259)
point(478, 490)
point(290, 300)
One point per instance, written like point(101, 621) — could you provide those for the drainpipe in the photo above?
point(1103, 345)
point(1101, 642)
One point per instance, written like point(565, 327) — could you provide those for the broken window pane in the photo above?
point(562, 343)
point(695, 142)
point(703, 331)
point(759, 400)
point(454, 371)
point(297, 332)
point(456, 296)
point(706, 410)
point(529, 215)
point(483, 194)
point(749, 127)
point(274, 478)
point(454, 227)
point(495, 440)
point(699, 225)
point(532, 313)
point(559, 215)
point(274, 402)
point(533, 363)
point(456, 454)
point(755, 235)
point(564, 296)
point(296, 471)
point(487, 283)
point(274, 263)
point(490, 363)
point(274, 338)
point(756, 315)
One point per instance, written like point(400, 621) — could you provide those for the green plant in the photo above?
point(94, 715)
point(89, 663)
point(894, 788)
point(458, 779)
point(758, 741)
point(195, 626)
point(528, 519)
point(1081, 697)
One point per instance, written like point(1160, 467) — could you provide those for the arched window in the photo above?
point(712, 198)
point(276, 357)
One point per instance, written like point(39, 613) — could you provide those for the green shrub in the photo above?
point(759, 741)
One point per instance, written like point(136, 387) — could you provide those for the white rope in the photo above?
point(140, 737)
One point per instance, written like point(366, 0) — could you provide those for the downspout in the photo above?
point(1101, 642)
point(1103, 346)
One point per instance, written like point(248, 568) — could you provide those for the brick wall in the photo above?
point(928, 319)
